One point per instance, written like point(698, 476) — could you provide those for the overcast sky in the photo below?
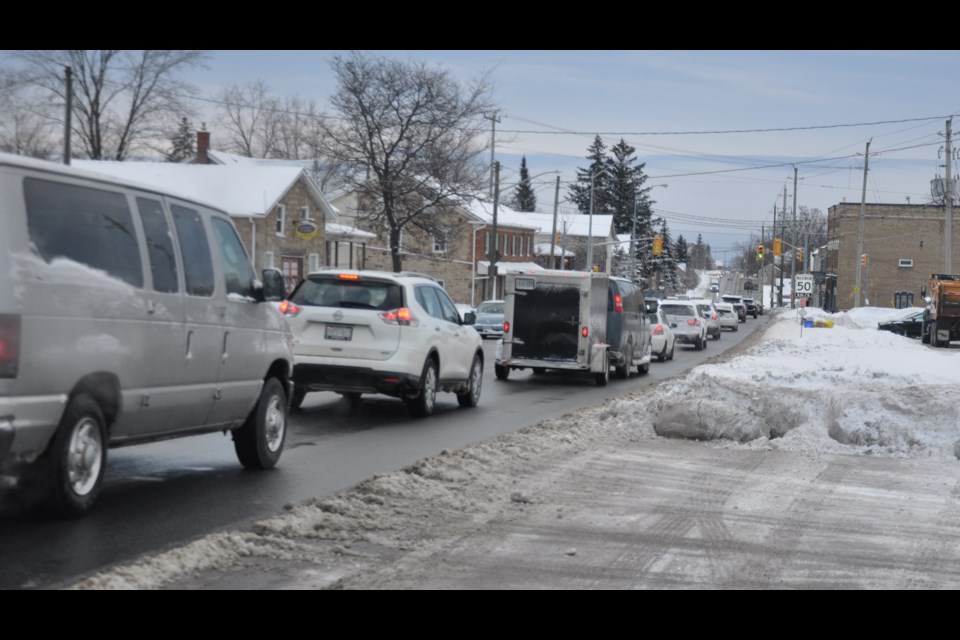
point(569, 96)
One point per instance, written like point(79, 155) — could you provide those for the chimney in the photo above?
point(203, 145)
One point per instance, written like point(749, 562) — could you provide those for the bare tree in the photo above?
point(248, 113)
point(409, 134)
point(122, 100)
point(27, 125)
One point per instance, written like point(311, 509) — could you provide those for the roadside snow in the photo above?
point(850, 389)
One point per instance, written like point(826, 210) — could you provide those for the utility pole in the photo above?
point(553, 233)
point(495, 245)
point(67, 126)
point(633, 236)
point(796, 243)
point(948, 231)
point(783, 228)
point(773, 259)
point(494, 118)
point(863, 204)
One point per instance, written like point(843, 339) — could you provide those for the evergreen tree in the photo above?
point(626, 192)
point(183, 143)
point(682, 251)
point(524, 199)
point(668, 260)
point(580, 191)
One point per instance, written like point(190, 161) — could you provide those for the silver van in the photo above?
point(127, 315)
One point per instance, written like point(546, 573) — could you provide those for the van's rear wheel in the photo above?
point(259, 442)
point(77, 459)
point(623, 371)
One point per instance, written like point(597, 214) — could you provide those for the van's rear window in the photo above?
point(90, 226)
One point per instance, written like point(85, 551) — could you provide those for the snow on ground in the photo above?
point(849, 389)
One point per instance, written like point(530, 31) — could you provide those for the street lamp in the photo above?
point(593, 184)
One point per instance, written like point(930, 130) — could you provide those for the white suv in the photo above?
point(688, 324)
point(376, 332)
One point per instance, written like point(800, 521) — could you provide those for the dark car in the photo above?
point(752, 309)
point(909, 325)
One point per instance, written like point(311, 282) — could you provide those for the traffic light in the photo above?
point(777, 247)
point(863, 260)
point(557, 238)
point(658, 246)
point(800, 255)
point(760, 252)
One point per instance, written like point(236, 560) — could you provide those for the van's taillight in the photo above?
point(584, 332)
point(287, 308)
point(618, 302)
point(9, 344)
point(658, 331)
point(506, 327)
point(401, 316)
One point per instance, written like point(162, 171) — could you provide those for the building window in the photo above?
point(314, 262)
point(440, 242)
point(268, 260)
point(281, 219)
point(905, 262)
point(304, 213)
point(486, 243)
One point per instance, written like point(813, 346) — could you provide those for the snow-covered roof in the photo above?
point(543, 249)
point(506, 267)
point(341, 231)
point(573, 224)
point(506, 217)
point(241, 189)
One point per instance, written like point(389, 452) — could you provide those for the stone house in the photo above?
point(903, 244)
point(455, 253)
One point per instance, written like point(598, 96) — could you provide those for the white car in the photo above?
point(712, 317)
point(728, 316)
point(688, 324)
point(375, 332)
point(662, 341)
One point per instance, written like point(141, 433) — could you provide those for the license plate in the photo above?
point(338, 332)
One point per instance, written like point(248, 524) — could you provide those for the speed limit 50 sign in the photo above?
point(804, 284)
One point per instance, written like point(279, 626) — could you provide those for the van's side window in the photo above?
point(163, 262)
point(90, 226)
point(236, 265)
point(197, 264)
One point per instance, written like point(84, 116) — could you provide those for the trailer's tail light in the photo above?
point(618, 303)
point(584, 332)
point(658, 330)
point(506, 327)
point(9, 344)
point(401, 316)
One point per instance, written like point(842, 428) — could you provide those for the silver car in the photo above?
point(688, 324)
point(489, 322)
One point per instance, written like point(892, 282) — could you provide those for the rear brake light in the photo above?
point(658, 331)
point(401, 316)
point(714, 317)
point(584, 332)
point(9, 345)
point(506, 327)
point(694, 322)
point(617, 302)
point(348, 276)
point(289, 309)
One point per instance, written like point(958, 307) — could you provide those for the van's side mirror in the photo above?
point(274, 288)
point(469, 318)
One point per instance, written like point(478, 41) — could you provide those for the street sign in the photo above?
point(804, 285)
point(820, 277)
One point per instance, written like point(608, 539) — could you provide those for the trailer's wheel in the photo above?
point(603, 377)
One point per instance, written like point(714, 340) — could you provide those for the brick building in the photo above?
point(903, 243)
